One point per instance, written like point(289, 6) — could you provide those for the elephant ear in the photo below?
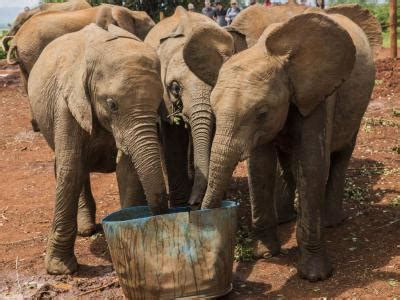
point(206, 48)
point(109, 14)
point(364, 19)
point(77, 97)
point(320, 54)
point(239, 39)
point(123, 19)
point(118, 32)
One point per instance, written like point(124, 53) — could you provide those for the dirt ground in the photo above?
point(365, 250)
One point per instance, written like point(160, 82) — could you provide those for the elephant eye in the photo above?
point(112, 105)
point(261, 116)
point(175, 89)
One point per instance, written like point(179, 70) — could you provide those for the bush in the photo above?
point(2, 53)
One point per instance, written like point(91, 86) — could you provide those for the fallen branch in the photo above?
point(98, 288)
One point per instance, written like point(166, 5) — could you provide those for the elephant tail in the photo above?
point(4, 42)
point(11, 51)
point(364, 19)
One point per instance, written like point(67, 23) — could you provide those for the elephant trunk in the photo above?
point(201, 123)
point(225, 154)
point(142, 145)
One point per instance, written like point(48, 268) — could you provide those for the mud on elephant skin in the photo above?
point(308, 81)
point(192, 48)
point(88, 104)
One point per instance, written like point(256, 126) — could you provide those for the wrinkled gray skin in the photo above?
point(298, 95)
point(24, 16)
point(246, 30)
point(89, 103)
point(191, 48)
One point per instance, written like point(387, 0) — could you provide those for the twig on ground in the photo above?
point(390, 223)
point(98, 288)
point(21, 241)
point(16, 271)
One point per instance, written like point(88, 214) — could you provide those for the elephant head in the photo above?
point(121, 93)
point(136, 22)
point(192, 48)
point(299, 62)
point(248, 26)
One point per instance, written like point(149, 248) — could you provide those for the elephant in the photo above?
point(246, 29)
point(24, 16)
point(192, 48)
point(40, 30)
point(101, 95)
point(248, 26)
point(297, 96)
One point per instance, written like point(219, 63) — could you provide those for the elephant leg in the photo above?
point(24, 79)
point(70, 177)
point(131, 192)
point(261, 165)
point(285, 188)
point(175, 146)
point(86, 210)
point(334, 214)
point(312, 167)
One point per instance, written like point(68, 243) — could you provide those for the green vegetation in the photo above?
point(352, 191)
point(381, 12)
point(2, 53)
point(244, 246)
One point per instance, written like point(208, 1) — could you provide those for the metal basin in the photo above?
point(176, 255)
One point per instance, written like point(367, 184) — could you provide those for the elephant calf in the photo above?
point(299, 95)
point(99, 96)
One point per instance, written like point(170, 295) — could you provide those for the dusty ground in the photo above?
point(365, 250)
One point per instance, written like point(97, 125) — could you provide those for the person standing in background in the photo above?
point(208, 10)
point(267, 3)
point(190, 7)
point(220, 13)
point(232, 12)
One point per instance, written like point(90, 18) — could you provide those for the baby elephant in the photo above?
point(93, 92)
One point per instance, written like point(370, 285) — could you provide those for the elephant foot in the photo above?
point(314, 268)
point(266, 248)
point(287, 216)
point(61, 265)
point(35, 126)
point(334, 219)
point(86, 227)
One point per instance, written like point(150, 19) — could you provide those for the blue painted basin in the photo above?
point(176, 255)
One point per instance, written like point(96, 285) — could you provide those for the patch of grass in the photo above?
point(396, 149)
point(396, 112)
point(396, 201)
point(352, 191)
point(244, 246)
point(373, 122)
